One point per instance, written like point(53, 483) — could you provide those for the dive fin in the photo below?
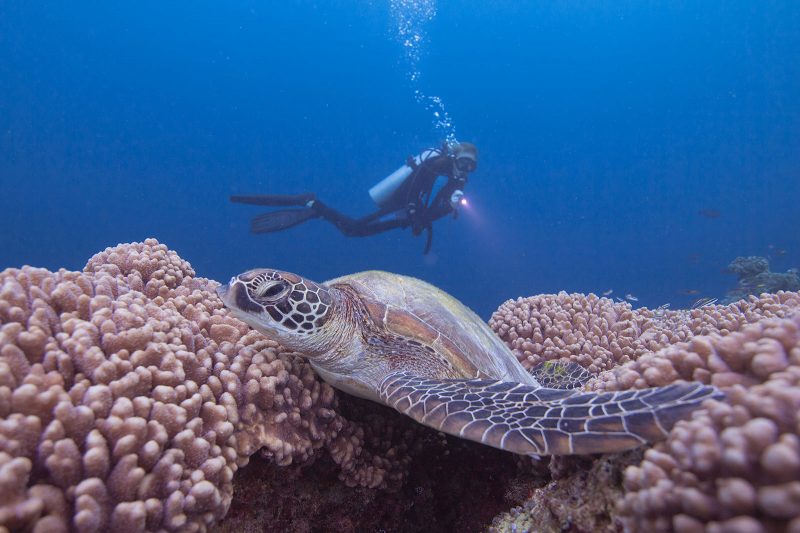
point(280, 220)
point(275, 199)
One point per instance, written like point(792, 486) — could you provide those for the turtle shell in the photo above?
point(415, 309)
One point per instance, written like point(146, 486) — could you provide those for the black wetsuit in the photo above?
point(410, 205)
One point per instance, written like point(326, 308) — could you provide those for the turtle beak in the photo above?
point(222, 290)
point(234, 296)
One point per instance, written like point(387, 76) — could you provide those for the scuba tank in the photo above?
point(382, 191)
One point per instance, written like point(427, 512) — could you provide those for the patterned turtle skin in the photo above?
point(404, 343)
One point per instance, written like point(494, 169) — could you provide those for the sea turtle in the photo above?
point(404, 343)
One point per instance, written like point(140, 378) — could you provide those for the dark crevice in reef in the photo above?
point(452, 485)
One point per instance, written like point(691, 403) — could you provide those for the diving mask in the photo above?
point(466, 157)
point(466, 164)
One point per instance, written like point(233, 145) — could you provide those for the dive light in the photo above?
point(457, 198)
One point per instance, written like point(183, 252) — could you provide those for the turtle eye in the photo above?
point(271, 290)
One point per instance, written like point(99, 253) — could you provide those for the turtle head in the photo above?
point(286, 307)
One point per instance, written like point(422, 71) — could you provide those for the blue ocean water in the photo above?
point(608, 132)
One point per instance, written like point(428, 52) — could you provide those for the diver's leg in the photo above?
point(362, 227)
point(287, 218)
point(352, 227)
point(380, 213)
point(365, 230)
point(275, 199)
point(345, 224)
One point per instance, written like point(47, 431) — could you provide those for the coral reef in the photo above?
point(735, 464)
point(565, 504)
point(600, 334)
point(131, 399)
point(755, 277)
point(451, 485)
point(717, 327)
point(594, 332)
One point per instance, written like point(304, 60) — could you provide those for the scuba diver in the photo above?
point(405, 198)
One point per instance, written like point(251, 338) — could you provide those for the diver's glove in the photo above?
point(457, 198)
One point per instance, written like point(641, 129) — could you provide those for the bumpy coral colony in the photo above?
point(735, 466)
point(129, 397)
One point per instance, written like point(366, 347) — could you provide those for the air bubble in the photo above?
point(410, 17)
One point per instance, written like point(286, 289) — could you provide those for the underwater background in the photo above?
point(633, 146)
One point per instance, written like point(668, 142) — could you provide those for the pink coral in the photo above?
point(129, 396)
point(722, 356)
point(600, 334)
point(594, 332)
point(736, 465)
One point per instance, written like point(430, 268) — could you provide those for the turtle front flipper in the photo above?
point(536, 421)
point(560, 374)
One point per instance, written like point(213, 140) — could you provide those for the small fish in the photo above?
point(661, 311)
point(631, 298)
point(775, 251)
point(620, 300)
point(704, 302)
point(689, 292)
point(709, 213)
point(608, 292)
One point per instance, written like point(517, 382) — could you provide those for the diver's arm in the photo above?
point(438, 208)
point(441, 206)
point(436, 211)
